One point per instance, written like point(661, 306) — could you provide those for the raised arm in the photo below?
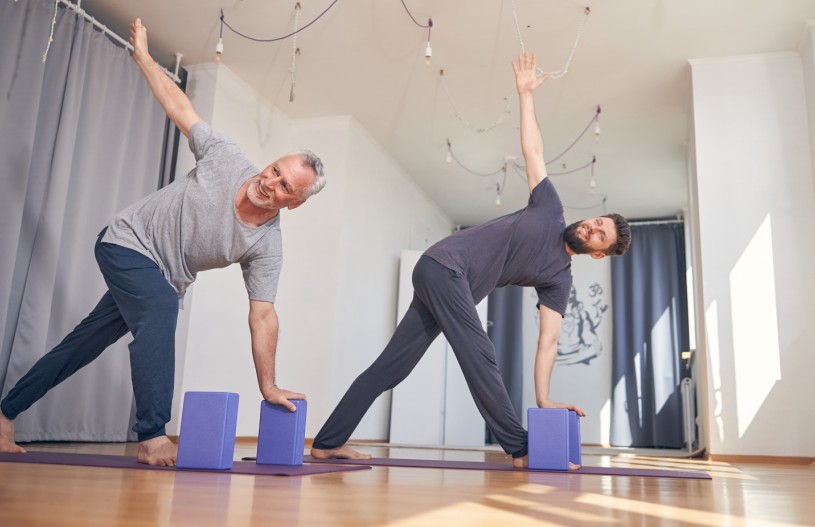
point(174, 101)
point(545, 359)
point(527, 81)
point(263, 325)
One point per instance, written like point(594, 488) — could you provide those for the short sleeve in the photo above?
point(544, 195)
point(200, 139)
point(555, 296)
point(261, 275)
point(205, 141)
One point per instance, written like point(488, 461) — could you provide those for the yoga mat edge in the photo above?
point(108, 461)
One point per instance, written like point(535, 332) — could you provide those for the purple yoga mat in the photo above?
point(481, 465)
point(238, 467)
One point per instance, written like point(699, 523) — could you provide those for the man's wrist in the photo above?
point(144, 60)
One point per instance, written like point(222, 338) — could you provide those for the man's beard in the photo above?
point(256, 198)
point(573, 240)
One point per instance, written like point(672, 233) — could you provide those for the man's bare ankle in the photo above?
point(520, 462)
point(341, 452)
point(159, 450)
point(7, 443)
point(320, 453)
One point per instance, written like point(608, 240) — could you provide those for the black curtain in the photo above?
point(649, 298)
point(505, 329)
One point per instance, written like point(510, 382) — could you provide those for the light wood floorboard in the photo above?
point(739, 494)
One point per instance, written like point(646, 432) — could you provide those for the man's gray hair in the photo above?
point(311, 160)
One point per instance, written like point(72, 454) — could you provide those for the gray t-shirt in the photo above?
point(525, 248)
point(191, 224)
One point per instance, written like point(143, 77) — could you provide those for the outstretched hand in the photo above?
point(552, 404)
point(526, 73)
point(280, 396)
point(138, 39)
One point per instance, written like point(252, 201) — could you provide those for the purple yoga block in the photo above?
point(282, 434)
point(548, 438)
point(574, 438)
point(208, 424)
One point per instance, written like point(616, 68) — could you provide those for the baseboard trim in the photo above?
point(253, 440)
point(779, 460)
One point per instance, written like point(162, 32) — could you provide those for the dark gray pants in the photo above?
point(442, 302)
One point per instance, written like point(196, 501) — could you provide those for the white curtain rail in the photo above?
point(655, 222)
point(79, 11)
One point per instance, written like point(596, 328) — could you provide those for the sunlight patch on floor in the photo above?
point(668, 512)
point(453, 515)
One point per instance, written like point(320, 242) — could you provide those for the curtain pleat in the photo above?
point(505, 329)
point(81, 139)
point(649, 299)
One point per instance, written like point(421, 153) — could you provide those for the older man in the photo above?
point(224, 211)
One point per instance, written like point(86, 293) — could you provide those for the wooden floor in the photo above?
point(743, 494)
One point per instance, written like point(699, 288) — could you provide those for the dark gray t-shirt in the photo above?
point(524, 248)
point(191, 224)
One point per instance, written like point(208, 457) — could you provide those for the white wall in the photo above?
point(807, 50)
point(337, 296)
point(382, 213)
point(433, 406)
point(756, 214)
point(585, 385)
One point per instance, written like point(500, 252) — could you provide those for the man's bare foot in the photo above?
point(7, 443)
point(343, 452)
point(157, 451)
point(523, 462)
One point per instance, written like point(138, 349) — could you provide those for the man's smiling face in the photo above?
point(281, 184)
point(593, 236)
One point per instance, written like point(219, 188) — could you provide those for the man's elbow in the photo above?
point(262, 312)
point(548, 343)
point(183, 115)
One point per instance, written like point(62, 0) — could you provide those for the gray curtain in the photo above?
point(80, 138)
point(505, 329)
point(649, 299)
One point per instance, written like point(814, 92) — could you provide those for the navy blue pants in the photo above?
point(442, 303)
point(139, 300)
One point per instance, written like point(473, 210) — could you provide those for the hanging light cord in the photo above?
point(225, 23)
point(429, 25)
point(603, 199)
point(601, 204)
point(565, 70)
point(294, 52)
point(473, 172)
point(523, 167)
point(480, 129)
point(586, 129)
point(591, 163)
point(507, 107)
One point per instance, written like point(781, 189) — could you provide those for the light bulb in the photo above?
point(449, 156)
point(592, 185)
point(597, 131)
point(219, 49)
point(497, 201)
point(428, 52)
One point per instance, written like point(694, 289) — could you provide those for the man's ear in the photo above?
point(295, 204)
point(598, 255)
